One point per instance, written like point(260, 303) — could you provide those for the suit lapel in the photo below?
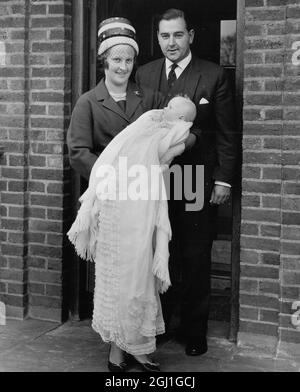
point(107, 101)
point(155, 74)
point(193, 78)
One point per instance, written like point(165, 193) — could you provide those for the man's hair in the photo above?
point(173, 13)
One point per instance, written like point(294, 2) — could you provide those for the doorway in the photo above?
point(209, 19)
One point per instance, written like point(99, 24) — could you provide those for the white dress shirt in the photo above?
point(181, 65)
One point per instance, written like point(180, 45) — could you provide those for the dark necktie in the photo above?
point(172, 75)
point(122, 105)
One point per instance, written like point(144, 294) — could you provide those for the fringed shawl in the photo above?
point(147, 142)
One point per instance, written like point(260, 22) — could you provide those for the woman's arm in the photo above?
point(80, 138)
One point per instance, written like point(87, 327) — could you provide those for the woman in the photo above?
point(98, 116)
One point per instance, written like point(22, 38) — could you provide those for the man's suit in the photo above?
point(216, 149)
point(97, 119)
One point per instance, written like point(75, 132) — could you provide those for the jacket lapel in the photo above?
point(107, 101)
point(155, 74)
point(133, 99)
point(193, 78)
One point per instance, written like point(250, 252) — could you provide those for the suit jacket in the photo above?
point(97, 119)
point(214, 125)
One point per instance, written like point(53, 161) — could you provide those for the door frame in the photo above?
point(84, 78)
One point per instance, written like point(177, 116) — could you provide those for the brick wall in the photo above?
point(270, 241)
point(35, 83)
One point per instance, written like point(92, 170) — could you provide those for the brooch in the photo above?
point(137, 93)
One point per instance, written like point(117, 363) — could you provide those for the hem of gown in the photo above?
point(148, 348)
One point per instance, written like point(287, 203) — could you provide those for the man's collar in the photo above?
point(181, 64)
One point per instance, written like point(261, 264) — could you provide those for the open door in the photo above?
point(214, 20)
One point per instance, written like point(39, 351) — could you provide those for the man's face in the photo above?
point(174, 39)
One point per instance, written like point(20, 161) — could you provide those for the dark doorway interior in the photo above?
point(206, 16)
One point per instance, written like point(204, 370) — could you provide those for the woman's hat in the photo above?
point(116, 31)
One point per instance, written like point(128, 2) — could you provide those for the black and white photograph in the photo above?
point(149, 189)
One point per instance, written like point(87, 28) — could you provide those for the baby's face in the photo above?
point(178, 109)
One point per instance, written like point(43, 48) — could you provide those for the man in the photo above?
point(212, 143)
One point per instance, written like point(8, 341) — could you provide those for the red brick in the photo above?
point(260, 71)
point(258, 271)
point(47, 174)
point(17, 288)
point(291, 248)
point(248, 313)
point(291, 232)
point(262, 157)
point(292, 336)
point(270, 258)
point(291, 218)
point(293, 12)
point(15, 238)
point(274, 85)
point(290, 158)
point(259, 301)
point(40, 276)
point(40, 300)
point(12, 224)
point(54, 264)
point(271, 230)
point(265, 15)
point(267, 287)
point(254, 30)
point(291, 293)
point(261, 187)
point(249, 285)
point(14, 300)
point(48, 22)
point(45, 226)
point(272, 173)
point(249, 229)
point(45, 251)
point(261, 215)
point(38, 238)
point(53, 290)
point(38, 9)
point(263, 99)
point(35, 186)
point(258, 328)
point(250, 201)
point(37, 262)
point(252, 143)
point(291, 278)
point(36, 288)
point(268, 316)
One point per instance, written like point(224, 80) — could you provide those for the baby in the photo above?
point(179, 108)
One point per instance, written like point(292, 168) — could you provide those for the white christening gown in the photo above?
point(116, 230)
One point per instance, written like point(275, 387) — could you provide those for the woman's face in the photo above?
point(120, 61)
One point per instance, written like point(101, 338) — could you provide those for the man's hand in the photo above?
point(220, 194)
point(190, 141)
